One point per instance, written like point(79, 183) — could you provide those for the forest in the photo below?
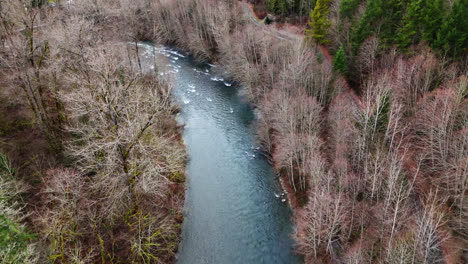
point(363, 110)
point(92, 163)
point(384, 178)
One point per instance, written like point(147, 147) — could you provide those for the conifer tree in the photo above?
point(382, 17)
point(433, 18)
point(288, 7)
point(421, 22)
point(411, 30)
point(319, 22)
point(348, 7)
point(303, 7)
point(452, 37)
point(279, 7)
point(364, 29)
point(339, 61)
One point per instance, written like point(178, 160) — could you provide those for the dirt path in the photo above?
point(299, 37)
point(269, 30)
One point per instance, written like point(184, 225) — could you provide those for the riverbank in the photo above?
point(230, 185)
point(381, 170)
point(89, 135)
point(269, 50)
point(346, 151)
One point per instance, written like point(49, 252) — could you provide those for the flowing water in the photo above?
point(234, 209)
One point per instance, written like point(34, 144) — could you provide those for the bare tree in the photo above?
point(112, 114)
point(442, 135)
point(366, 58)
point(321, 222)
point(429, 234)
point(29, 68)
point(124, 157)
point(64, 216)
point(415, 77)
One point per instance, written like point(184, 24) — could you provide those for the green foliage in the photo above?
point(339, 61)
point(452, 37)
point(6, 170)
point(382, 17)
point(278, 7)
point(319, 57)
point(288, 7)
point(400, 22)
point(14, 239)
point(409, 22)
point(391, 16)
point(421, 21)
point(433, 18)
point(178, 177)
point(410, 32)
point(363, 29)
point(303, 7)
point(319, 22)
point(349, 7)
point(38, 3)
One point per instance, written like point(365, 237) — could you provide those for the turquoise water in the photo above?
point(234, 210)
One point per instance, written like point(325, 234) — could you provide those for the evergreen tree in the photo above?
point(382, 17)
point(339, 61)
point(421, 21)
point(452, 37)
point(390, 19)
point(38, 3)
point(319, 22)
point(363, 30)
point(433, 18)
point(275, 6)
point(288, 7)
point(280, 7)
point(411, 30)
point(348, 7)
point(303, 7)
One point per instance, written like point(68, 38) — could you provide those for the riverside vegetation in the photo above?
point(374, 145)
point(92, 163)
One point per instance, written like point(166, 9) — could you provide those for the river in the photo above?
point(234, 209)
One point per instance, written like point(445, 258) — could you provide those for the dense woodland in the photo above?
point(372, 143)
point(92, 163)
